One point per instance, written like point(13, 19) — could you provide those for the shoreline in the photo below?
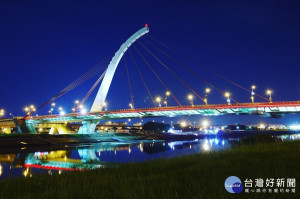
point(46, 140)
point(182, 177)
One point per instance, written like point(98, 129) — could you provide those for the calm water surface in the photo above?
point(32, 162)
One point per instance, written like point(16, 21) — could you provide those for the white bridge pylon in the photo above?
point(104, 87)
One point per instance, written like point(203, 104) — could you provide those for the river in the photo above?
point(82, 157)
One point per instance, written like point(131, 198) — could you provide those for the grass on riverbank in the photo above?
point(196, 176)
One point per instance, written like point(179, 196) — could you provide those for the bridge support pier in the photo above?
point(30, 127)
point(88, 127)
point(88, 155)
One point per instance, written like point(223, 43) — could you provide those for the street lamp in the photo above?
point(269, 93)
point(168, 93)
point(158, 100)
point(131, 105)
point(207, 90)
point(52, 108)
point(29, 109)
point(191, 99)
point(75, 105)
point(26, 109)
point(253, 87)
point(2, 112)
point(227, 95)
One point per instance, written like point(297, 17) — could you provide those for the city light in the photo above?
point(269, 93)
point(29, 109)
point(205, 123)
point(76, 102)
point(2, 112)
point(261, 126)
point(62, 113)
point(131, 105)
point(183, 124)
point(253, 87)
point(227, 95)
point(207, 90)
point(60, 108)
point(53, 104)
point(168, 93)
point(190, 97)
point(158, 100)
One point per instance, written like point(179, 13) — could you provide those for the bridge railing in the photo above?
point(173, 108)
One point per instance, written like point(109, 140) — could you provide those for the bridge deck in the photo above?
point(206, 110)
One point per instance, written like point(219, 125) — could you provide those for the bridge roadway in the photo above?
point(274, 109)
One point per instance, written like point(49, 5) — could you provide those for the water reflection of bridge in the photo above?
point(86, 158)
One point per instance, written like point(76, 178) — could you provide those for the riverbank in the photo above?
point(196, 176)
point(19, 141)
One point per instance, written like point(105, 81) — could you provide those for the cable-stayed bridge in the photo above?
point(161, 107)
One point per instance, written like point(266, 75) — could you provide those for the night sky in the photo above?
point(44, 46)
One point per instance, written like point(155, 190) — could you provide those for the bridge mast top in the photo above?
point(104, 87)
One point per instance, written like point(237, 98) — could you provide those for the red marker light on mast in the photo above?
point(146, 25)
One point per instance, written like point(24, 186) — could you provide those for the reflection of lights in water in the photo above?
point(115, 152)
point(141, 147)
point(206, 146)
point(190, 146)
point(49, 172)
point(26, 172)
point(216, 141)
point(129, 150)
point(59, 172)
point(65, 158)
point(223, 142)
point(99, 154)
point(1, 169)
